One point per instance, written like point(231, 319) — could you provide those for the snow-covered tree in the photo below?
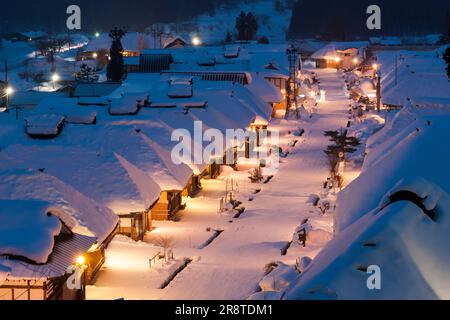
point(115, 70)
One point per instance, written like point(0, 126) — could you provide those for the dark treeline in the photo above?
point(346, 20)
point(50, 15)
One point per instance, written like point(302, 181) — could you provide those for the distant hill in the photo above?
point(346, 19)
point(50, 15)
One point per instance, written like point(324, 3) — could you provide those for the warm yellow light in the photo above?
point(375, 66)
point(355, 61)
point(9, 91)
point(196, 41)
point(312, 94)
point(95, 55)
point(55, 77)
point(337, 59)
point(80, 260)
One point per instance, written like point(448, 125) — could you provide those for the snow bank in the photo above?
point(26, 229)
point(408, 246)
point(279, 278)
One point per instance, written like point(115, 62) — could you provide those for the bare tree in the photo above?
point(166, 242)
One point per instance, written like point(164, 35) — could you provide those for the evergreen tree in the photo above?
point(241, 26)
point(342, 143)
point(252, 24)
point(447, 60)
point(115, 69)
point(247, 26)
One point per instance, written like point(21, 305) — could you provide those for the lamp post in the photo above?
point(196, 41)
point(55, 78)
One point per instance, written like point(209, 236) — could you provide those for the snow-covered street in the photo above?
point(232, 265)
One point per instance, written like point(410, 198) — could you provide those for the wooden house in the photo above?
point(43, 272)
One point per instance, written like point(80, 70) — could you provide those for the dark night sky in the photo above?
point(311, 17)
point(51, 14)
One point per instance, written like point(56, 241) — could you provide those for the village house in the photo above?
point(63, 229)
point(341, 55)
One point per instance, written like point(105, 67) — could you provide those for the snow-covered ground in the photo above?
point(231, 266)
point(213, 29)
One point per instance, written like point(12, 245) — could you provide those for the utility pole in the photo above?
point(378, 91)
point(396, 70)
point(291, 92)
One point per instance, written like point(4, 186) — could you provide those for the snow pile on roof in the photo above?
point(180, 90)
point(265, 90)
point(81, 214)
point(71, 113)
point(27, 230)
point(128, 104)
point(395, 215)
point(44, 125)
point(420, 75)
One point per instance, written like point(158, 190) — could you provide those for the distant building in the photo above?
point(337, 55)
point(25, 36)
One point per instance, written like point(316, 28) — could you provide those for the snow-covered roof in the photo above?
point(251, 58)
point(44, 124)
point(71, 113)
point(420, 75)
point(406, 146)
point(132, 41)
point(27, 230)
point(330, 50)
point(94, 89)
point(81, 214)
point(30, 98)
point(64, 253)
point(95, 172)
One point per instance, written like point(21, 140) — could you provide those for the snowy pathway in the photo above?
point(232, 265)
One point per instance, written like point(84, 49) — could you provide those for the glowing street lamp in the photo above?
point(55, 78)
point(80, 260)
point(355, 61)
point(97, 34)
point(196, 41)
point(375, 66)
point(9, 91)
point(95, 55)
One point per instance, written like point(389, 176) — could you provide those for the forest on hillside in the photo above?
point(346, 20)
